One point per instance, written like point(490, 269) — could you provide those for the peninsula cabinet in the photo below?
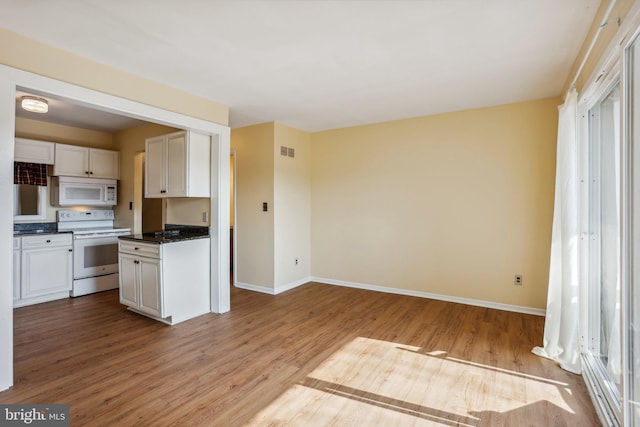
point(178, 165)
point(141, 277)
point(73, 160)
point(167, 282)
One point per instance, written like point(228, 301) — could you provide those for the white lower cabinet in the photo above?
point(168, 282)
point(46, 268)
point(141, 284)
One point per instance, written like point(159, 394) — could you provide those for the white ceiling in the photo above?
point(66, 113)
point(318, 65)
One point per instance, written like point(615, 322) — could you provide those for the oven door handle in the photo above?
point(95, 236)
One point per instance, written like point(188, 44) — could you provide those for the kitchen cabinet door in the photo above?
point(154, 167)
point(150, 286)
point(104, 164)
point(32, 151)
point(178, 165)
point(128, 277)
point(176, 172)
point(141, 283)
point(71, 160)
point(46, 271)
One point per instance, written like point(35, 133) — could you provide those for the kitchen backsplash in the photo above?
point(31, 227)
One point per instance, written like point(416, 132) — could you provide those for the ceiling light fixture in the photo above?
point(35, 104)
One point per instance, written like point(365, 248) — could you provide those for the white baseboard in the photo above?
point(255, 288)
point(271, 291)
point(468, 301)
point(289, 286)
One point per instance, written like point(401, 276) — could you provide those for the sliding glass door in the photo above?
point(631, 236)
point(610, 249)
point(603, 346)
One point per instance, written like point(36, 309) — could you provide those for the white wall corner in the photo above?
point(271, 291)
point(292, 285)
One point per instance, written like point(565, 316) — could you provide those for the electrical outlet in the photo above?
point(205, 216)
point(517, 279)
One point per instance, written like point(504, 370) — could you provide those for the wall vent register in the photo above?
point(287, 151)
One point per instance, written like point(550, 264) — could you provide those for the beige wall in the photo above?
point(34, 129)
point(26, 54)
point(254, 229)
point(188, 211)
point(292, 206)
point(269, 242)
point(453, 204)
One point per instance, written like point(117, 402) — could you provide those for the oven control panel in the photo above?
point(65, 215)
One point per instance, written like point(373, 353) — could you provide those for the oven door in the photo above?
point(94, 255)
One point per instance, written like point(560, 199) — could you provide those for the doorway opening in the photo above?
point(149, 213)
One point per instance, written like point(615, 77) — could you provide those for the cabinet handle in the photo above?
point(48, 241)
point(135, 249)
point(86, 172)
point(90, 173)
point(70, 250)
point(163, 191)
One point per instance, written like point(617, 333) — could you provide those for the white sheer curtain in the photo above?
point(561, 324)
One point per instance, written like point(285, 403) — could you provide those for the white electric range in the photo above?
point(95, 249)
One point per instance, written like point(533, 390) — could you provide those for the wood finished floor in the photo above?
point(314, 356)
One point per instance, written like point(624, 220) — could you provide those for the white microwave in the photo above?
point(71, 191)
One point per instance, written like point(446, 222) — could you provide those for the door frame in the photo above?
point(12, 79)
point(234, 255)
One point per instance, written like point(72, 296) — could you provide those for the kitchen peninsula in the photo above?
point(165, 274)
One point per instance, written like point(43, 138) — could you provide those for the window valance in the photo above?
point(30, 173)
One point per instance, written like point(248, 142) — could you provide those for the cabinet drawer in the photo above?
point(16, 243)
point(142, 249)
point(46, 240)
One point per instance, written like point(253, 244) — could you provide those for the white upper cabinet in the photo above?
point(72, 160)
point(32, 151)
point(104, 163)
point(154, 167)
point(178, 165)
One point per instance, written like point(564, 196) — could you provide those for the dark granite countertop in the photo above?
point(171, 234)
point(31, 233)
point(27, 228)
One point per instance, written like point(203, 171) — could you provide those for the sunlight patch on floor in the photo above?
point(371, 382)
